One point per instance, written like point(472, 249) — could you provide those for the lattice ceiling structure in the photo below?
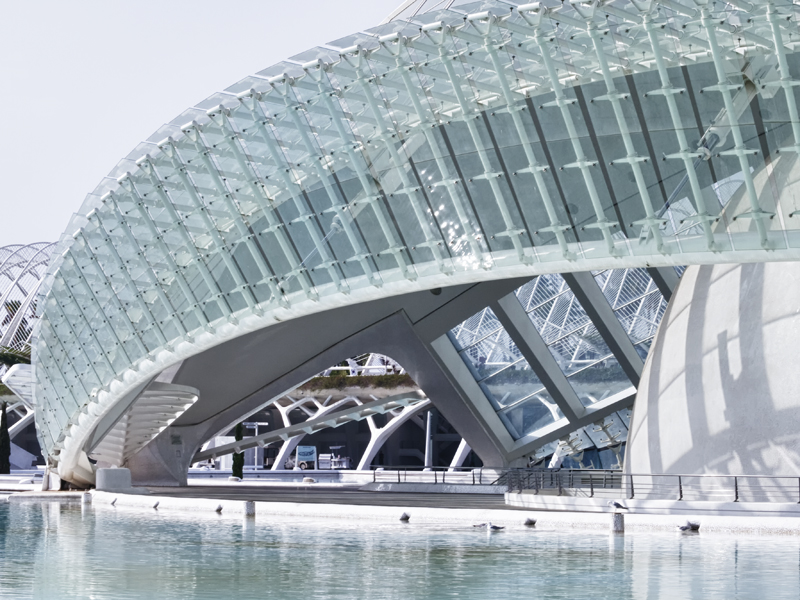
point(22, 269)
point(484, 141)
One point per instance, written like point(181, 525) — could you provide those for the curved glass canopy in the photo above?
point(485, 141)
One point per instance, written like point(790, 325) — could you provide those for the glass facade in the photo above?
point(481, 141)
point(583, 357)
point(513, 389)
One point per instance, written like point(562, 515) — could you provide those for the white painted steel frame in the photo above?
point(230, 223)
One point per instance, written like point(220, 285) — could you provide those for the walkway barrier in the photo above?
point(596, 483)
point(436, 475)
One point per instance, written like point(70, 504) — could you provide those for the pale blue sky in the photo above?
point(83, 82)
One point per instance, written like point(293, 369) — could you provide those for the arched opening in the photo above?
point(362, 413)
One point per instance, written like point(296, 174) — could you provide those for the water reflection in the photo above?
point(67, 551)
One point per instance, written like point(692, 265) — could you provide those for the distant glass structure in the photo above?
point(477, 142)
point(22, 269)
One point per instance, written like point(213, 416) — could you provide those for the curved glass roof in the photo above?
point(484, 140)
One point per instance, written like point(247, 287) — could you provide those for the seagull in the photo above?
point(155, 506)
point(489, 526)
point(113, 502)
point(617, 505)
point(530, 522)
point(219, 508)
point(689, 527)
point(405, 517)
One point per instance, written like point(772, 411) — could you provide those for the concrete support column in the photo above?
point(165, 461)
point(460, 456)
point(617, 523)
point(380, 435)
point(428, 440)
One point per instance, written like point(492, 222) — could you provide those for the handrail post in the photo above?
point(559, 483)
point(480, 476)
point(798, 488)
point(591, 486)
point(630, 478)
point(473, 476)
point(398, 475)
point(736, 488)
point(374, 475)
point(680, 488)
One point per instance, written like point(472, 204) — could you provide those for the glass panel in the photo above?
point(530, 415)
point(512, 384)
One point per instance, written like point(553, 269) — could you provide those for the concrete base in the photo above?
point(617, 523)
point(50, 481)
point(110, 480)
point(195, 509)
point(687, 509)
point(56, 496)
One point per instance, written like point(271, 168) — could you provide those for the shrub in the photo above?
point(339, 381)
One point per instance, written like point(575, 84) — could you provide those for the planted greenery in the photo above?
point(340, 381)
point(10, 356)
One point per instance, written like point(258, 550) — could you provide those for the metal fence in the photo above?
point(436, 475)
point(615, 484)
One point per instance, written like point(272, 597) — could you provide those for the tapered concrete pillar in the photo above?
point(429, 440)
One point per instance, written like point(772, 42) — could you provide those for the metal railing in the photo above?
point(595, 483)
point(436, 475)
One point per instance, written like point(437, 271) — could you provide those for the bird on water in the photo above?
point(489, 526)
point(689, 527)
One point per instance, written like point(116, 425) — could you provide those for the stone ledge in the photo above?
point(54, 496)
point(546, 520)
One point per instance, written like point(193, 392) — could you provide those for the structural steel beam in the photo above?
point(666, 280)
point(519, 326)
point(591, 297)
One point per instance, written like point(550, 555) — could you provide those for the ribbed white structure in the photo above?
point(479, 142)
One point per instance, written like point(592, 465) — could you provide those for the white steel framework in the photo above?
point(483, 141)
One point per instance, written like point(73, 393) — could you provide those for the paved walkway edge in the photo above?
point(433, 488)
point(548, 520)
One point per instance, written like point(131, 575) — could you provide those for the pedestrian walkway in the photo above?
point(307, 494)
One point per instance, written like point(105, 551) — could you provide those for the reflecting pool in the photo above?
point(57, 551)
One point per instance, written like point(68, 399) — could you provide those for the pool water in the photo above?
point(54, 551)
